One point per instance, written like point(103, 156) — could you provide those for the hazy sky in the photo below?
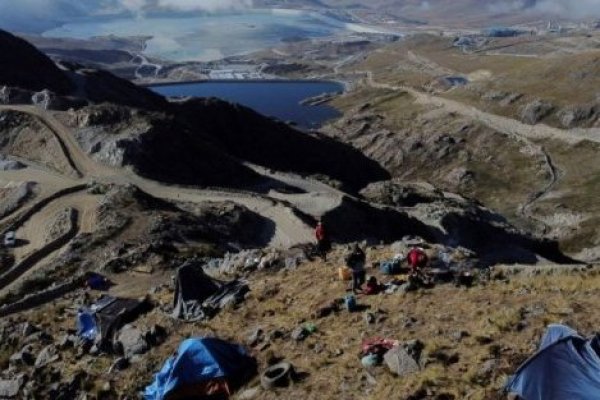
point(36, 15)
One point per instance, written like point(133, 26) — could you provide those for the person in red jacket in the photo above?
point(323, 242)
point(417, 260)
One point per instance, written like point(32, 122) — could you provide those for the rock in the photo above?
point(486, 371)
point(22, 358)
point(459, 335)
point(299, 334)
point(120, 364)
point(38, 337)
point(255, 337)
point(67, 342)
point(29, 329)
point(369, 318)
point(249, 394)
point(400, 362)
point(156, 335)
point(414, 348)
point(573, 116)
point(535, 111)
point(274, 334)
point(10, 388)
point(47, 356)
point(131, 341)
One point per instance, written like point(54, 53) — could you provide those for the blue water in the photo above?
point(271, 98)
point(207, 37)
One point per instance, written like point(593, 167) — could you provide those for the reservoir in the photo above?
point(211, 36)
point(280, 99)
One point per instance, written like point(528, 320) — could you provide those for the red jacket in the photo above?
point(320, 232)
point(417, 258)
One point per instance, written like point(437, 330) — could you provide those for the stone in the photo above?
point(414, 348)
point(299, 334)
point(22, 358)
point(29, 329)
point(67, 342)
point(369, 318)
point(459, 335)
point(535, 111)
point(131, 341)
point(486, 371)
point(400, 362)
point(255, 337)
point(47, 356)
point(156, 335)
point(249, 394)
point(10, 388)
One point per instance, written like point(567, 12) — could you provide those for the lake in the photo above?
point(211, 36)
point(279, 99)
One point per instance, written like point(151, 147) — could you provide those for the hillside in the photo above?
point(108, 189)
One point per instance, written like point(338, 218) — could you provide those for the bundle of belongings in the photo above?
point(202, 368)
point(565, 367)
point(393, 266)
point(101, 322)
point(198, 296)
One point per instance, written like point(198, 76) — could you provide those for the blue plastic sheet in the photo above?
point(566, 367)
point(86, 325)
point(198, 360)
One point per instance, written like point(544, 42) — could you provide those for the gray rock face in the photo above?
point(11, 95)
point(22, 358)
point(571, 117)
point(534, 112)
point(132, 341)
point(10, 388)
point(400, 362)
point(47, 356)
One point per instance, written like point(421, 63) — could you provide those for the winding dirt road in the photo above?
point(290, 229)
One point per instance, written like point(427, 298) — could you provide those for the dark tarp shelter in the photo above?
point(109, 314)
point(202, 368)
point(566, 367)
point(198, 296)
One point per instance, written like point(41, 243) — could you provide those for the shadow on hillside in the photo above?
point(248, 136)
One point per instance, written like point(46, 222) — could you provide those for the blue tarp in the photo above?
point(198, 360)
point(86, 325)
point(566, 367)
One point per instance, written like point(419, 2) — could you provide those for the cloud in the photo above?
point(204, 5)
point(559, 8)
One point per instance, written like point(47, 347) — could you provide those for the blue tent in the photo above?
point(199, 360)
point(566, 367)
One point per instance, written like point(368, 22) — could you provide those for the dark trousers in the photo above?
point(358, 279)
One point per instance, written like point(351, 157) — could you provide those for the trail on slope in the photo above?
point(289, 228)
point(515, 129)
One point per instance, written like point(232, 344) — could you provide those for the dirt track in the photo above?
point(290, 229)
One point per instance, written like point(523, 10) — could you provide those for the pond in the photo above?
point(283, 100)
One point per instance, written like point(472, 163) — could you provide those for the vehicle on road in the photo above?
point(9, 239)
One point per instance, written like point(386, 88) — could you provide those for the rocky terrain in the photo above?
point(104, 177)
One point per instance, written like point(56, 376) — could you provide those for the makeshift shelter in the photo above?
point(566, 366)
point(102, 320)
point(202, 368)
point(198, 296)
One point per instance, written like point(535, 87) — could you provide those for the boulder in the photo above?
point(535, 111)
point(400, 362)
point(22, 358)
point(47, 356)
point(131, 341)
point(10, 388)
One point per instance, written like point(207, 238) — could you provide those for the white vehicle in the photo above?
point(9, 239)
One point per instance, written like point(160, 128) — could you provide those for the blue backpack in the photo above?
point(390, 267)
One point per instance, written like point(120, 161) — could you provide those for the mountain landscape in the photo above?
point(468, 130)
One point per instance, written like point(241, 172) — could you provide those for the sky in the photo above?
point(39, 15)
